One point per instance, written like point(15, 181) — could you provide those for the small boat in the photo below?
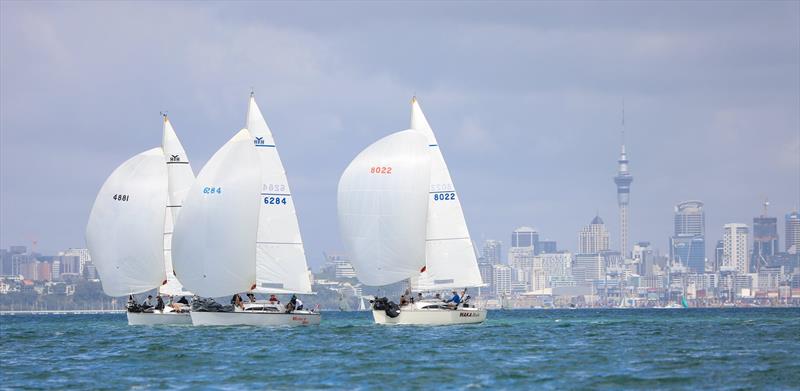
point(129, 233)
point(401, 219)
point(238, 232)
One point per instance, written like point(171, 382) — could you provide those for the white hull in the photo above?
point(254, 318)
point(432, 317)
point(157, 318)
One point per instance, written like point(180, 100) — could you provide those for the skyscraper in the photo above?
point(593, 238)
point(623, 181)
point(735, 255)
point(765, 240)
point(492, 251)
point(688, 244)
point(524, 237)
point(793, 233)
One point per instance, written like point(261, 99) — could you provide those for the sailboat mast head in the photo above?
point(257, 125)
point(420, 123)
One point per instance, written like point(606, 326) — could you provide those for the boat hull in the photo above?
point(254, 318)
point(156, 318)
point(432, 317)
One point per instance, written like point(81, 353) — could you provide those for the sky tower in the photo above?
point(623, 181)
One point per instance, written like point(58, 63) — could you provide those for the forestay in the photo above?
point(382, 207)
point(125, 233)
point(212, 245)
point(180, 179)
point(280, 259)
point(449, 254)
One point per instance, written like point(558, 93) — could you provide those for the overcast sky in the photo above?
point(525, 99)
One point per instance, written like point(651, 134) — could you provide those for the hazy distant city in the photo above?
point(749, 267)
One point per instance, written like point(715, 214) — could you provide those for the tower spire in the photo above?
point(623, 181)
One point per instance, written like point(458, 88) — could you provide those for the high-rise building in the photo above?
point(623, 181)
point(644, 257)
point(593, 238)
point(81, 253)
point(793, 233)
point(590, 267)
point(547, 247)
point(502, 280)
point(719, 253)
point(525, 237)
point(492, 251)
point(688, 244)
point(487, 275)
point(734, 253)
point(765, 240)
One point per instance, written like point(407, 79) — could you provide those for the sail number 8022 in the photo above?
point(444, 196)
point(380, 170)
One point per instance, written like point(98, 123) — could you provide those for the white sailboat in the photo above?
point(129, 233)
point(401, 218)
point(239, 231)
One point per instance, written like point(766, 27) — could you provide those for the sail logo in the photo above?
point(259, 141)
point(174, 158)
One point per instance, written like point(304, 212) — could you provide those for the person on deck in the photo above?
point(292, 305)
point(299, 304)
point(159, 304)
point(183, 300)
point(236, 300)
point(454, 301)
point(148, 303)
point(252, 297)
point(274, 299)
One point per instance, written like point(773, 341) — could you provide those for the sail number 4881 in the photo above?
point(121, 197)
point(380, 170)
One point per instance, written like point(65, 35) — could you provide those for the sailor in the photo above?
point(419, 296)
point(454, 301)
point(148, 303)
point(438, 297)
point(183, 300)
point(236, 300)
point(292, 305)
point(252, 297)
point(299, 304)
point(159, 303)
point(274, 299)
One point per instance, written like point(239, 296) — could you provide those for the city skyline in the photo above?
point(731, 148)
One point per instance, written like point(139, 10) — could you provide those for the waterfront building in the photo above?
point(492, 252)
point(547, 247)
point(719, 252)
point(623, 181)
point(792, 232)
point(593, 238)
point(765, 239)
point(591, 267)
point(487, 275)
point(687, 245)
point(644, 258)
point(501, 280)
point(82, 254)
point(735, 254)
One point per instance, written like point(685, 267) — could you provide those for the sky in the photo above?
point(525, 99)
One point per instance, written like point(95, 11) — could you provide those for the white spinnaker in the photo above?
point(382, 205)
point(450, 256)
point(181, 177)
point(212, 245)
point(125, 230)
point(280, 258)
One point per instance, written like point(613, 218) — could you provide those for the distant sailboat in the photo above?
point(129, 233)
point(401, 219)
point(239, 231)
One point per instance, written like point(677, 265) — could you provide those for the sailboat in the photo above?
point(238, 231)
point(129, 233)
point(401, 219)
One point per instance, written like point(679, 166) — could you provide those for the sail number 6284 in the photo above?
point(380, 170)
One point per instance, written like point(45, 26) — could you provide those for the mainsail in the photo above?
point(382, 207)
point(180, 179)
point(449, 254)
point(125, 233)
point(280, 258)
point(213, 247)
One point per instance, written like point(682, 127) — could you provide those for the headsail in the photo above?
point(280, 258)
point(212, 245)
point(450, 256)
point(125, 230)
point(382, 206)
point(180, 179)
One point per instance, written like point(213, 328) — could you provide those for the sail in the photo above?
point(212, 244)
point(280, 258)
point(125, 230)
point(382, 206)
point(181, 177)
point(450, 256)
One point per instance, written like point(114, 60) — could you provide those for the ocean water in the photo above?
point(525, 349)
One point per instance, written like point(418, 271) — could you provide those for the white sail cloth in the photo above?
point(450, 256)
point(213, 244)
point(125, 233)
point(180, 179)
point(382, 207)
point(281, 265)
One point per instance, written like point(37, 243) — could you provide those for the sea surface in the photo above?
point(523, 349)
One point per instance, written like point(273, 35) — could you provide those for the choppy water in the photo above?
point(537, 349)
